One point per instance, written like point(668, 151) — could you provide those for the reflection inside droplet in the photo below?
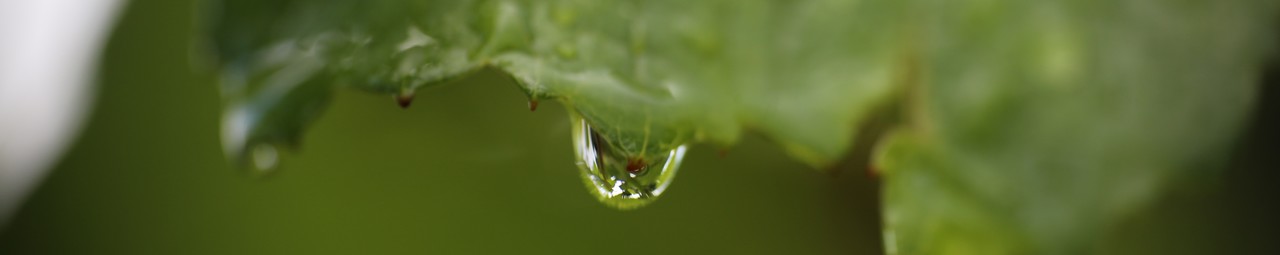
point(617, 178)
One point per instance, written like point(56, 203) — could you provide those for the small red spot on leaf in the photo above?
point(634, 165)
point(404, 100)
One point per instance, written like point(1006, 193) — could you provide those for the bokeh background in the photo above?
point(468, 169)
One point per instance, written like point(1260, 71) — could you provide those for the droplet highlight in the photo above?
point(618, 179)
point(265, 158)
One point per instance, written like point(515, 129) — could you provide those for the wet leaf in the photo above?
point(1023, 126)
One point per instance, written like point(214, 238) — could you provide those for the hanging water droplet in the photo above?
point(618, 179)
point(265, 157)
point(533, 105)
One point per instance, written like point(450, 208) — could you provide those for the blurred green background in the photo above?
point(468, 169)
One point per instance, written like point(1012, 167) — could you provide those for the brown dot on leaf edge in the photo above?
point(404, 100)
point(634, 165)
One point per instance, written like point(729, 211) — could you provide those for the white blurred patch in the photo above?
point(49, 51)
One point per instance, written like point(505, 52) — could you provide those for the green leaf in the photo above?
point(666, 72)
point(1037, 126)
point(1025, 126)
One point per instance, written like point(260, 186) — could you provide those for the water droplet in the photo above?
point(618, 179)
point(265, 157)
point(533, 105)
